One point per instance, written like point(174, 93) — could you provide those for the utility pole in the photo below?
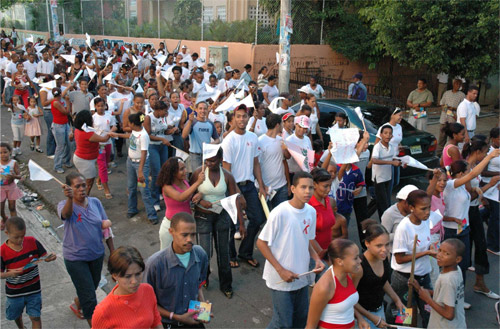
point(286, 29)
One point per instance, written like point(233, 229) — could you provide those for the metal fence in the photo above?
point(211, 20)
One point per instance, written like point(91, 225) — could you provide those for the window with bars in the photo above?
point(262, 15)
point(221, 13)
point(208, 15)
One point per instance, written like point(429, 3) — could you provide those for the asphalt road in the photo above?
point(251, 305)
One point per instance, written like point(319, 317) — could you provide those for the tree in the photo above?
point(454, 36)
point(187, 12)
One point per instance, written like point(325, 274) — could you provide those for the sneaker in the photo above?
point(153, 221)
point(112, 164)
point(109, 171)
point(60, 171)
point(19, 151)
point(161, 197)
point(237, 236)
point(489, 294)
point(130, 215)
point(32, 147)
point(14, 152)
point(39, 150)
point(493, 252)
point(69, 166)
point(51, 156)
point(467, 306)
point(471, 268)
point(157, 207)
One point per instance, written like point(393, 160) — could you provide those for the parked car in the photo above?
point(419, 144)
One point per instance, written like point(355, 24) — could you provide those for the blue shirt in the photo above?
point(360, 85)
point(201, 132)
point(350, 181)
point(83, 231)
point(174, 284)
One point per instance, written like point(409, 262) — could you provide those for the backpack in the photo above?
point(358, 92)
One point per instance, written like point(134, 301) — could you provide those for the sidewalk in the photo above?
point(57, 289)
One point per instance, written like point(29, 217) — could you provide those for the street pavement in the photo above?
point(251, 305)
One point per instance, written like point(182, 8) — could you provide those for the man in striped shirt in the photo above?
point(19, 256)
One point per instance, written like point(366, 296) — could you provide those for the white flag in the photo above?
point(344, 144)
point(210, 150)
point(412, 162)
point(273, 107)
point(181, 154)
point(88, 129)
point(277, 58)
point(38, 173)
point(110, 58)
point(247, 101)
point(139, 89)
point(135, 60)
point(358, 112)
point(91, 73)
point(39, 48)
point(228, 104)
point(49, 85)
point(69, 58)
point(31, 39)
point(109, 77)
point(70, 41)
point(240, 94)
point(229, 204)
point(303, 157)
point(87, 40)
point(161, 59)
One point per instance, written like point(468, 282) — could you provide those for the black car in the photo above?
point(419, 144)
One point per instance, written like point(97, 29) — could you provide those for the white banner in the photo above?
point(344, 144)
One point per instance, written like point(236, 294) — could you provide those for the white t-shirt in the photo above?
point(224, 85)
point(103, 124)
point(260, 126)
point(45, 67)
point(271, 161)
point(319, 92)
point(442, 77)
point(469, 111)
point(272, 92)
point(218, 116)
point(240, 151)
point(285, 134)
point(281, 111)
point(287, 232)
point(382, 173)
point(304, 143)
point(11, 68)
point(403, 243)
point(30, 69)
point(493, 165)
point(397, 134)
point(457, 203)
point(138, 142)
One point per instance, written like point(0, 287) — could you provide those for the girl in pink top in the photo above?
point(177, 194)
point(456, 134)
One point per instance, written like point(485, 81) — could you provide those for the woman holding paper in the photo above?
point(177, 194)
point(87, 148)
point(213, 222)
point(457, 203)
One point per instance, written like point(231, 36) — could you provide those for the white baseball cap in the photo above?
point(405, 191)
point(303, 121)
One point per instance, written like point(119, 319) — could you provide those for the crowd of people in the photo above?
point(165, 108)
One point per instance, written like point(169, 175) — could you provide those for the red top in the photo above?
point(86, 149)
point(59, 117)
point(138, 310)
point(325, 219)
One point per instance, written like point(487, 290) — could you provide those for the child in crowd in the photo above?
point(19, 256)
point(447, 298)
point(288, 125)
point(339, 229)
point(9, 171)
point(341, 120)
point(33, 129)
point(17, 123)
point(318, 151)
point(218, 128)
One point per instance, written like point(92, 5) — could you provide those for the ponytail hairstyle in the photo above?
point(337, 248)
point(372, 229)
point(452, 128)
point(458, 167)
point(472, 147)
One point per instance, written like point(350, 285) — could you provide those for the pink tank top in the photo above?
point(447, 160)
point(173, 207)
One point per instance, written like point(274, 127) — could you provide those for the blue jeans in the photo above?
point(290, 308)
point(395, 179)
point(132, 175)
point(14, 306)
point(51, 142)
point(464, 236)
point(255, 216)
point(178, 141)
point(62, 152)
point(158, 154)
point(493, 227)
point(280, 196)
point(379, 314)
point(85, 276)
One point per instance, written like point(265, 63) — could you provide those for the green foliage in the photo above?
point(187, 12)
point(458, 37)
point(238, 31)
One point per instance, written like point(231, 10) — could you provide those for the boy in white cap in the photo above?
point(299, 138)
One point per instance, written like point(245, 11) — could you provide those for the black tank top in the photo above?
point(371, 287)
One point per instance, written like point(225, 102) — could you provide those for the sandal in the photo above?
point(234, 264)
point(99, 186)
point(251, 262)
point(77, 312)
point(108, 196)
point(228, 294)
point(39, 150)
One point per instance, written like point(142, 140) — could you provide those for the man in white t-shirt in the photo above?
point(45, 67)
point(210, 70)
point(272, 155)
point(225, 84)
point(285, 104)
point(299, 138)
point(467, 111)
point(241, 158)
point(30, 65)
point(285, 242)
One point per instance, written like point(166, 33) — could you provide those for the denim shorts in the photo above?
point(14, 306)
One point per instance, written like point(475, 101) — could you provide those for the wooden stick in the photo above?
point(412, 272)
point(264, 205)
point(57, 180)
point(305, 273)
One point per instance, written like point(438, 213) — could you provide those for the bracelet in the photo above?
point(172, 315)
point(379, 320)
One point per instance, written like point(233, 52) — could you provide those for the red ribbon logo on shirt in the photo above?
point(79, 218)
